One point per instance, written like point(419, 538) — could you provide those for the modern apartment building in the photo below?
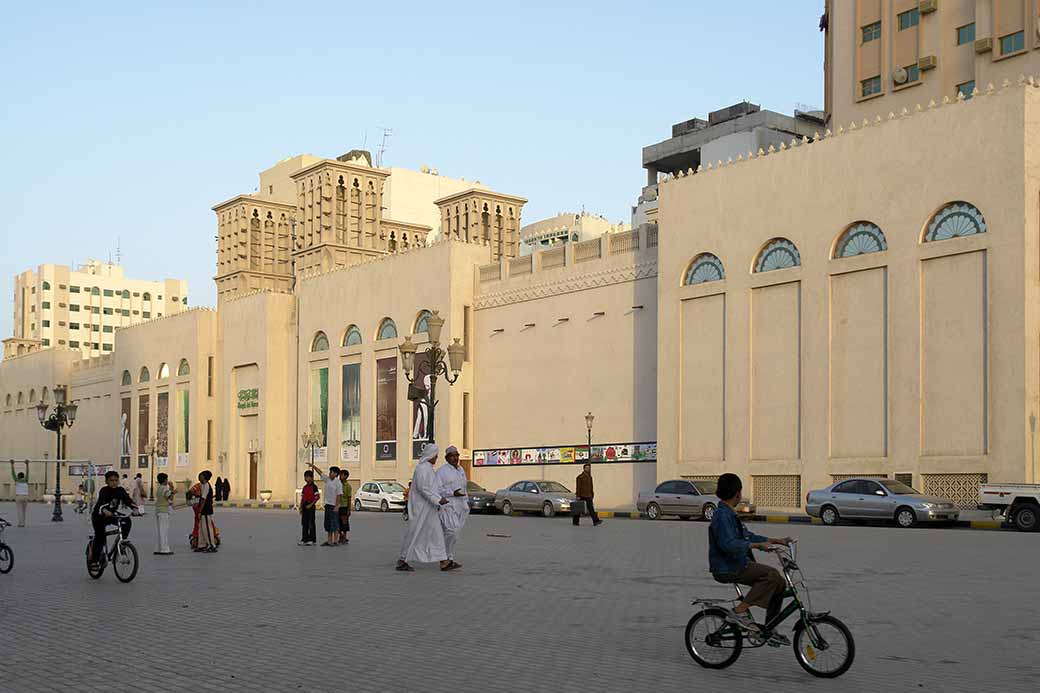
point(81, 307)
point(882, 56)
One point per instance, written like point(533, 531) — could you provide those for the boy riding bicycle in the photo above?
point(110, 498)
point(730, 560)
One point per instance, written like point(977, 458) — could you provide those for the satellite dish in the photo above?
point(899, 76)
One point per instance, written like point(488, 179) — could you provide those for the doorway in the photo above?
point(252, 476)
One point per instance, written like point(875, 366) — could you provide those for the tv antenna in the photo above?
point(383, 146)
point(119, 252)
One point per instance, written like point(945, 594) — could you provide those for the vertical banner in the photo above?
point(319, 402)
point(162, 427)
point(183, 427)
point(143, 405)
point(124, 434)
point(350, 415)
point(386, 408)
point(420, 407)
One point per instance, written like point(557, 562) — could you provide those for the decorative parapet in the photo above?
point(94, 362)
point(168, 316)
point(591, 249)
point(990, 90)
point(556, 257)
point(520, 265)
point(627, 242)
point(490, 273)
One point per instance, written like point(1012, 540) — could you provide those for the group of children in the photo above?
point(337, 498)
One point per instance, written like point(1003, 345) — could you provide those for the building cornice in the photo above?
point(568, 284)
point(250, 200)
point(341, 166)
point(483, 192)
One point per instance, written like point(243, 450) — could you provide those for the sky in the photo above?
point(123, 123)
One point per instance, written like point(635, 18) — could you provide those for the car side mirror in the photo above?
point(879, 492)
point(534, 490)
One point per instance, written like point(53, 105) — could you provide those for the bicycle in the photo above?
point(6, 554)
point(823, 645)
point(122, 554)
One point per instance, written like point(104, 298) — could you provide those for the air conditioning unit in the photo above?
point(927, 6)
point(928, 62)
point(899, 76)
point(984, 45)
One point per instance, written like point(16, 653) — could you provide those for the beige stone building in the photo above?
point(566, 227)
point(81, 307)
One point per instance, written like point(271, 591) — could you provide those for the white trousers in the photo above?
point(22, 505)
point(162, 528)
point(451, 537)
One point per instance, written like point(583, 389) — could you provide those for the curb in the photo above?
point(805, 519)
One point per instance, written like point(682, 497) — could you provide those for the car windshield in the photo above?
point(707, 488)
point(474, 487)
point(552, 487)
point(896, 487)
point(393, 487)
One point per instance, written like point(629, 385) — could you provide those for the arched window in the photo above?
point(32, 395)
point(778, 253)
point(320, 342)
point(126, 378)
point(704, 268)
point(46, 286)
point(183, 368)
point(422, 321)
point(44, 395)
point(954, 220)
point(859, 239)
point(146, 297)
point(387, 329)
point(126, 293)
point(21, 398)
point(95, 291)
point(164, 371)
point(8, 399)
point(352, 336)
point(145, 375)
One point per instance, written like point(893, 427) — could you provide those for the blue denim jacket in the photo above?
point(729, 542)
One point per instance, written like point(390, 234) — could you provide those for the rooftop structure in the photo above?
point(566, 227)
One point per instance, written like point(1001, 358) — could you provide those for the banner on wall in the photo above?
point(183, 427)
point(143, 405)
point(319, 403)
point(612, 453)
point(386, 408)
point(162, 423)
point(421, 408)
point(350, 414)
point(124, 434)
point(182, 459)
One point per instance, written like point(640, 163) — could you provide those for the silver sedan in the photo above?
point(546, 497)
point(877, 499)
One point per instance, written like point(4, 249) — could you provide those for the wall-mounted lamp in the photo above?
point(599, 313)
point(563, 319)
point(639, 307)
point(528, 324)
point(497, 330)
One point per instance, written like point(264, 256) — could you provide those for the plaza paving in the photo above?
point(551, 607)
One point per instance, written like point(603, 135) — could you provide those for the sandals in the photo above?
point(404, 567)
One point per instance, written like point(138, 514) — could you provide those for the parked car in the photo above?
point(686, 499)
point(1018, 503)
point(546, 497)
point(878, 499)
point(380, 495)
point(479, 498)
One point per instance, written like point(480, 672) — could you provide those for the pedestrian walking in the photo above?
point(585, 493)
point(21, 492)
point(309, 497)
point(453, 486)
point(163, 508)
point(344, 507)
point(138, 494)
point(81, 501)
point(206, 542)
point(424, 537)
point(331, 497)
point(218, 489)
point(125, 484)
point(225, 493)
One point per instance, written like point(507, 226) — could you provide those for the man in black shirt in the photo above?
point(110, 497)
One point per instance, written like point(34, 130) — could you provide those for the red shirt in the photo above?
point(309, 494)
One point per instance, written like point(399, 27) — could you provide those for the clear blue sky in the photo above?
point(130, 122)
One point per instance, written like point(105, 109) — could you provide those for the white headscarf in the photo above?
point(428, 453)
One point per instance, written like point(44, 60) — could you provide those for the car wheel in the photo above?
point(653, 511)
point(905, 517)
point(829, 515)
point(547, 509)
point(507, 508)
point(357, 505)
point(384, 506)
point(708, 512)
point(1026, 519)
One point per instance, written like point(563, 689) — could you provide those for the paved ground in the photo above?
point(549, 608)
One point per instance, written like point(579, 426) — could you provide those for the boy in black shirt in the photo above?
point(110, 497)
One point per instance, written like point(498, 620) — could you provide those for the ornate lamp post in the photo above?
point(589, 418)
point(311, 439)
point(433, 365)
point(151, 451)
point(64, 415)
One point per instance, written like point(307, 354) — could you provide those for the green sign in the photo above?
point(248, 400)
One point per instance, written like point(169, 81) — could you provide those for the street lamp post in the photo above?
point(589, 418)
point(151, 450)
point(311, 439)
point(63, 416)
point(433, 365)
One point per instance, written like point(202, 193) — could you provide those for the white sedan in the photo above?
point(380, 495)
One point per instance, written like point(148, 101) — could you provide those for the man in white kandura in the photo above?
point(423, 536)
point(452, 481)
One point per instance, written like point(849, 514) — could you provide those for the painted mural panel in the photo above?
point(350, 419)
point(421, 408)
point(611, 453)
point(124, 434)
point(183, 427)
point(162, 429)
point(319, 403)
point(143, 413)
point(386, 408)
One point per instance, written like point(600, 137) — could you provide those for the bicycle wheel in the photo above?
point(835, 649)
point(711, 641)
point(125, 563)
point(6, 558)
point(94, 572)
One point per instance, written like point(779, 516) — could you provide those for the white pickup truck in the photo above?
point(1020, 503)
